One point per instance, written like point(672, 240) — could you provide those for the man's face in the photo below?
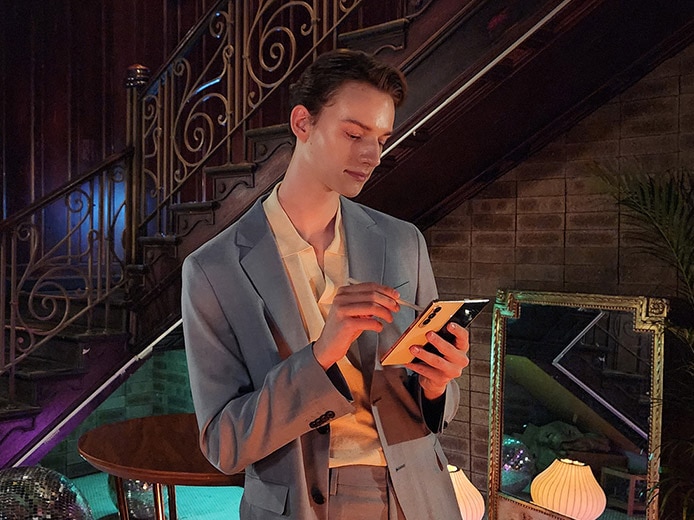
point(345, 140)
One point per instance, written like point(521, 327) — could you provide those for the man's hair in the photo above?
point(321, 80)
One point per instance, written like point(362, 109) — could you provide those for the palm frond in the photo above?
point(661, 207)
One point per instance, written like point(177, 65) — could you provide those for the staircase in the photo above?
point(92, 272)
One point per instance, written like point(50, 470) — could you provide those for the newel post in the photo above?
point(137, 77)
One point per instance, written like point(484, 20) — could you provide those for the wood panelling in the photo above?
point(62, 70)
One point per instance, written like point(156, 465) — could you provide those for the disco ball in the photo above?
point(139, 496)
point(517, 465)
point(35, 492)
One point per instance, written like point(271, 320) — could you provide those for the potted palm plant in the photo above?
point(661, 207)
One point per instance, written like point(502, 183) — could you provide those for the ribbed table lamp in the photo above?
point(469, 498)
point(569, 487)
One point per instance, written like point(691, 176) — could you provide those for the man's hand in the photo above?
point(435, 372)
point(355, 308)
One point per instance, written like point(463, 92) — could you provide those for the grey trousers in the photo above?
point(362, 493)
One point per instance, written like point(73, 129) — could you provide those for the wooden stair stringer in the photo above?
point(58, 397)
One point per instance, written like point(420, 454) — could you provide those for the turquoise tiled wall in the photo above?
point(159, 386)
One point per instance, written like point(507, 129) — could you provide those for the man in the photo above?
point(284, 351)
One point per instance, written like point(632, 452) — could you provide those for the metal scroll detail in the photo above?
point(62, 260)
point(212, 89)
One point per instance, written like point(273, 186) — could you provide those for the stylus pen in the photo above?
point(404, 303)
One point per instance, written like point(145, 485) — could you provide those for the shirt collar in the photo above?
point(289, 242)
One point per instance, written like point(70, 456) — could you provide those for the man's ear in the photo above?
point(300, 121)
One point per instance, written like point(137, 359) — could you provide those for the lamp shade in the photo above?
point(569, 487)
point(469, 498)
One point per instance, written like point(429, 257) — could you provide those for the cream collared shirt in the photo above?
point(354, 438)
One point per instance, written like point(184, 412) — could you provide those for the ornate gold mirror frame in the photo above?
point(647, 316)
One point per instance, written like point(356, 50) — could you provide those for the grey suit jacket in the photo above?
point(263, 402)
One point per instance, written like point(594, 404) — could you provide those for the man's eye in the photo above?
point(354, 137)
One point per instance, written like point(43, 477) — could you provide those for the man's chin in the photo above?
point(352, 192)
point(353, 188)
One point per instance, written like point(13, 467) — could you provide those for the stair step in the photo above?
point(74, 332)
point(16, 409)
point(186, 216)
point(194, 207)
point(35, 368)
point(45, 389)
point(391, 35)
point(76, 306)
point(160, 240)
point(227, 177)
point(262, 142)
point(137, 269)
point(74, 290)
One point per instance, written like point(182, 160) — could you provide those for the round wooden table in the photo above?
point(161, 449)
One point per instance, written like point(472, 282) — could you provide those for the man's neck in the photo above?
point(312, 211)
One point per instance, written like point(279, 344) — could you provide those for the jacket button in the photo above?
point(313, 424)
point(324, 429)
point(330, 414)
point(317, 496)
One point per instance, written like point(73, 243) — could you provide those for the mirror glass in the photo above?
point(576, 376)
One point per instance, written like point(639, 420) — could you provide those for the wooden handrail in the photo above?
point(15, 218)
point(184, 45)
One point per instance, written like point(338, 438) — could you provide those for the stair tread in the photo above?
point(237, 168)
point(279, 129)
point(15, 409)
point(164, 239)
point(374, 29)
point(73, 332)
point(33, 368)
point(204, 205)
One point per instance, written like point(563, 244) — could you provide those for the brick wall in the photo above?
point(549, 225)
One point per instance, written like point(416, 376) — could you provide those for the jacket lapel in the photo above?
point(366, 249)
point(262, 263)
point(366, 245)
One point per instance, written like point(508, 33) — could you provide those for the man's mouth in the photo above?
point(357, 175)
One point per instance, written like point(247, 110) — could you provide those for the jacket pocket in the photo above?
point(265, 495)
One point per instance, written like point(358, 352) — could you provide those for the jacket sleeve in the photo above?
point(242, 420)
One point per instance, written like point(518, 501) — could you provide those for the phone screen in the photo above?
point(435, 317)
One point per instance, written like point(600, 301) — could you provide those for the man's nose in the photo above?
point(371, 152)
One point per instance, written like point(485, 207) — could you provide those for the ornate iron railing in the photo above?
point(61, 259)
point(219, 83)
point(64, 257)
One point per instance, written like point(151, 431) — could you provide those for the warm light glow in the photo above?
point(469, 498)
point(569, 487)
